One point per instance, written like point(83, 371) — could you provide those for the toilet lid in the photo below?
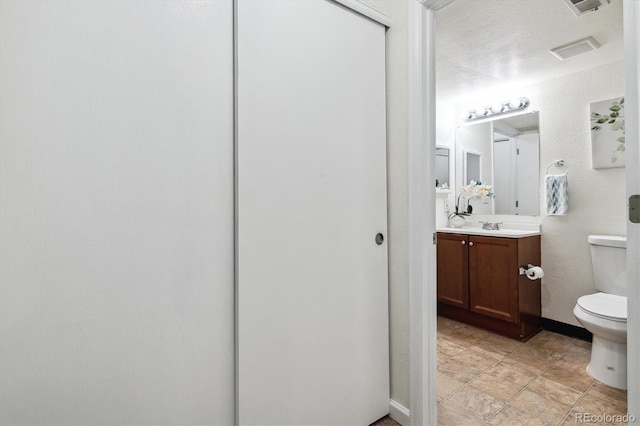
point(605, 305)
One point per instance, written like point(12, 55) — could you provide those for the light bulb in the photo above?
point(515, 103)
point(496, 108)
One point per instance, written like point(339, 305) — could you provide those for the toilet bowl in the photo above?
point(604, 313)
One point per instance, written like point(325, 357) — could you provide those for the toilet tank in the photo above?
point(609, 258)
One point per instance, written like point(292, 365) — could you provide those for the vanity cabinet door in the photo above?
point(493, 277)
point(453, 269)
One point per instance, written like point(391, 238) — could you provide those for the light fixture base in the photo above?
point(510, 106)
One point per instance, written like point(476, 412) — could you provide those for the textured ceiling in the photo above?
point(485, 44)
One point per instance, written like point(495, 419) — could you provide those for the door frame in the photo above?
point(422, 252)
point(631, 16)
point(422, 142)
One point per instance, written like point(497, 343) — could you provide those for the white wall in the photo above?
point(397, 184)
point(116, 224)
point(596, 197)
point(597, 201)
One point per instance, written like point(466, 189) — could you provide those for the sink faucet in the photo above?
point(492, 226)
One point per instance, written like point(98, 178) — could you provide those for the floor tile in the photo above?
point(448, 348)
point(467, 365)
point(524, 364)
point(450, 414)
point(479, 403)
point(598, 405)
point(571, 420)
point(604, 391)
point(547, 410)
point(512, 373)
point(386, 421)
point(554, 391)
point(582, 343)
point(550, 347)
point(535, 356)
point(570, 373)
point(463, 337)
point(495, 346)
point(447, 385)
point(550, 341)
point(496, 386)
point(477, 359)
point(513, 417)
point(447, 326)
point(457, 370)
point(578, 353)
point(446, 323)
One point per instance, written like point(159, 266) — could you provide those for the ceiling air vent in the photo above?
point(575, 48)
point(578, 7)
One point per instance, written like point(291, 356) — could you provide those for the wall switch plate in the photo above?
point(447, 210)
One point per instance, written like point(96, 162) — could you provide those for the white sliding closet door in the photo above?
point(116, 224)
point(312, 283)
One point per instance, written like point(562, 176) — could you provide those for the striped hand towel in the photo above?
point(557, 195)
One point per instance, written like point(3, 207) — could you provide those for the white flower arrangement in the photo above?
point(473, 190)
point(476, 190)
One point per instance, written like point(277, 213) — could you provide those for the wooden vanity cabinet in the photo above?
point(479, 282)
point(453, 269)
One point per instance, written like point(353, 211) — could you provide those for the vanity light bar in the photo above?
point(497, 109)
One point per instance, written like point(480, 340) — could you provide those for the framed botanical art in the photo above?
point(607, 134)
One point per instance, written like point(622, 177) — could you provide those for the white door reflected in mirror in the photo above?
point(472, 167)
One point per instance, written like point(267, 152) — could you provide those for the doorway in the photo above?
point(422, 119)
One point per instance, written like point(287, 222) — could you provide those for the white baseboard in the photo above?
point(398, 413)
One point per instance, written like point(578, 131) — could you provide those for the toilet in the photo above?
point(605, 313)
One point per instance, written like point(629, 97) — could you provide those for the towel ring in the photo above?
point(558, 163)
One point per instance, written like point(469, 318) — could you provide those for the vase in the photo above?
point(457, 221)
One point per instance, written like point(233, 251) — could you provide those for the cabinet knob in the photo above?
point(464, 242)
point(470, 243)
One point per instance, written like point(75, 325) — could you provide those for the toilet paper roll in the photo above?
point(535, 273)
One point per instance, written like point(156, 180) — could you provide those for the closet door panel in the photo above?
point(116, 220)
point(312, 283)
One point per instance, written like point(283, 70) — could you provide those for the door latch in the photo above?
point(634, 208)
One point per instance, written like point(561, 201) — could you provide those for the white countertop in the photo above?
point(508, 230)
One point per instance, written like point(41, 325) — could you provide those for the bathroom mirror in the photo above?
point(443, 180)
point(504, 153)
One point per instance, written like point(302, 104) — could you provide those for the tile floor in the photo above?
point(487, 379)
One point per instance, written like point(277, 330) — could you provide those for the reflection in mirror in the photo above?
point(442, 168)
point(504, 153)
point(472, 167)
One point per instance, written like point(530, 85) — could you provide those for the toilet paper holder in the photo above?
point(523, 271)
point(534, 275)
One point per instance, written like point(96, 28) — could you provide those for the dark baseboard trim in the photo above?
point(567, 329)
